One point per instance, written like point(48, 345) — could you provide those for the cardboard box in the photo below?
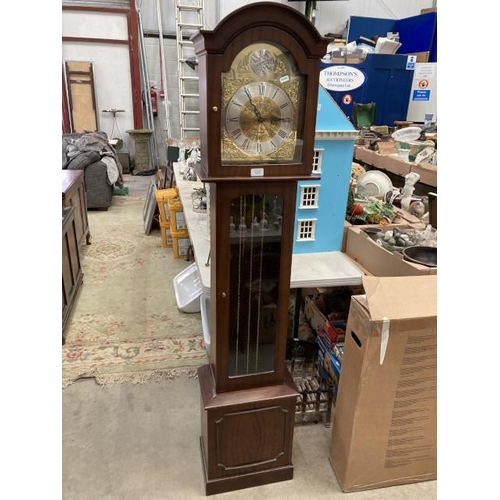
point(391, 163)
point(422, 57)
point(180, 244)
point(384, 428)
point(379, 261)
point(427, 172)
point(396, 165)
point(404, 217)
point(344, 237)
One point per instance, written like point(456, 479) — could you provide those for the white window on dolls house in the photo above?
point(306, 229)
point(317, 160)
point(309, 195)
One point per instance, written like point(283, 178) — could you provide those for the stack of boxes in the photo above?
point(174, 232)
point(326, 310)
point(178, 228)
point(162, 198)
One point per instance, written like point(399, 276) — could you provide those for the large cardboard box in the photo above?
point(384, 428)
point(381, 262)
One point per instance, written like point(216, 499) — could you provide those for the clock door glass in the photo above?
point(255, 249)
point(263, 97)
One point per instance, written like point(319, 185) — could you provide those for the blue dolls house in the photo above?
point(321, 204)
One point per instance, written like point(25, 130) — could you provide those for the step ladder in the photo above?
point(189, 19)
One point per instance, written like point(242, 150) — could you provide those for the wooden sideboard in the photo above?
point(71, 266)
point(73, 195)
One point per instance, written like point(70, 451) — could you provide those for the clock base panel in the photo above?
point(247, 435)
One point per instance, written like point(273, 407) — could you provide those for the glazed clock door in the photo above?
point(253, 262)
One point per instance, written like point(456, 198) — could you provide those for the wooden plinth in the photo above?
point(246, 436)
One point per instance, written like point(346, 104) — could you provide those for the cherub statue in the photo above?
point(406, 193)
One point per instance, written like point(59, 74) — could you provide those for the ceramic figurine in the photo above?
point(406, 193)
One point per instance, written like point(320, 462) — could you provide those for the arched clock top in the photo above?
point(253, 20)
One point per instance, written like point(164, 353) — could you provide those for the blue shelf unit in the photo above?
point(416, 33)
point(321, 204)
point(388, 80)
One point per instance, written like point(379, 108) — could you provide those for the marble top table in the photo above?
point(325, 269)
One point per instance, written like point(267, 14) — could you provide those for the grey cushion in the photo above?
point(83, 160)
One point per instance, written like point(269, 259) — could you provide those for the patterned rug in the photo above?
point(126, 326)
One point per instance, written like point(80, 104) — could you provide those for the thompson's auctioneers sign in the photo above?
point(341, 78)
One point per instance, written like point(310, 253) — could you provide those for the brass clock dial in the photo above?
point(262, 102)
point(260, 118)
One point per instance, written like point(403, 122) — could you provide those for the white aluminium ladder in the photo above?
point(189, 19)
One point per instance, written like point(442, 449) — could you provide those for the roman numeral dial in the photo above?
point(259, 119)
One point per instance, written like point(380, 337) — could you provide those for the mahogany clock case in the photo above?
point(216, 50)
point(248, 396)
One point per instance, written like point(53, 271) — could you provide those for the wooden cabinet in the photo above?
point(73, 195)
point(71, 265)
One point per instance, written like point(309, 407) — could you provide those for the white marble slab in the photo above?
point(325, 269)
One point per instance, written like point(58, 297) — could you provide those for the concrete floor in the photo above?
point(141, 442)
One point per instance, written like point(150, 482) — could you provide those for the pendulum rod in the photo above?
point(259, 295)
point(249, 324)
point(238, 305)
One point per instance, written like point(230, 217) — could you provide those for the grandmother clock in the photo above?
point(259, 74)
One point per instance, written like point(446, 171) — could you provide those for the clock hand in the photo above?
point(274, 119)
point(255, 109)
